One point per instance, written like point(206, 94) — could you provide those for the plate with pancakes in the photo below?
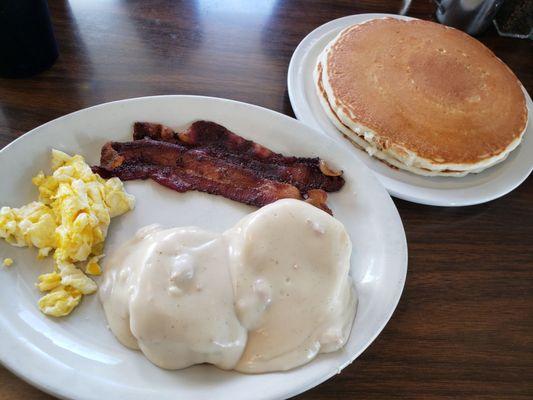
point(434, 113)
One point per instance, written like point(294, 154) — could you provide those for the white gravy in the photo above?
point(268, 294)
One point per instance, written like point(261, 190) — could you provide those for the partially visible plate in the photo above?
point(78, 357)
point(439, 191)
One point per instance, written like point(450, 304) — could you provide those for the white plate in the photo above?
point(439, 191)
point(78, 357)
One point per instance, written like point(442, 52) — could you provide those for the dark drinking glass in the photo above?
point(27, 43)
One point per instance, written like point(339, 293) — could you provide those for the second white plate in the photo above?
point(440, 191)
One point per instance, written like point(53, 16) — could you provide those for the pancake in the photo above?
point(358, 140)
point(428, 97)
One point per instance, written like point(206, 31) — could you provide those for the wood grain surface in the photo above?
point(464, 326)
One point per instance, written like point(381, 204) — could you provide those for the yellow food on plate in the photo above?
point(71, 219)
point(60, 301)
point(30, 225)
point(92, 267)
point(7, 262)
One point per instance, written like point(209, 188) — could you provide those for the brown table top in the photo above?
point(464, 325)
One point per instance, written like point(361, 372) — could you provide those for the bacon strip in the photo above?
point(182, 169)
point(304, 173)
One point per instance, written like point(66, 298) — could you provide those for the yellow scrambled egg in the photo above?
point(71, 219)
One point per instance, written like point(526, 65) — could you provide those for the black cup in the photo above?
point(27, 42)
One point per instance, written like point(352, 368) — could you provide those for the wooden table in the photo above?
point(464, 325)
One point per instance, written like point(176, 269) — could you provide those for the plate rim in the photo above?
point(36, 380)
point(392, 185)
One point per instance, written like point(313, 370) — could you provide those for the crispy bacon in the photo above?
point(209, 158)
point(182, 169)
point(318, 198)
point(304, 173)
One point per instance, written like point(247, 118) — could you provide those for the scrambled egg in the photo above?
point(71, 219)
point(7, 262)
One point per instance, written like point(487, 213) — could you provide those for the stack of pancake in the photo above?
point(420, 96)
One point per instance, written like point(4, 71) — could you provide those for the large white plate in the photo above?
point(78, 357)
point(440, 191)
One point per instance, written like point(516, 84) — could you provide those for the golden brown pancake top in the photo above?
point(431, 89)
